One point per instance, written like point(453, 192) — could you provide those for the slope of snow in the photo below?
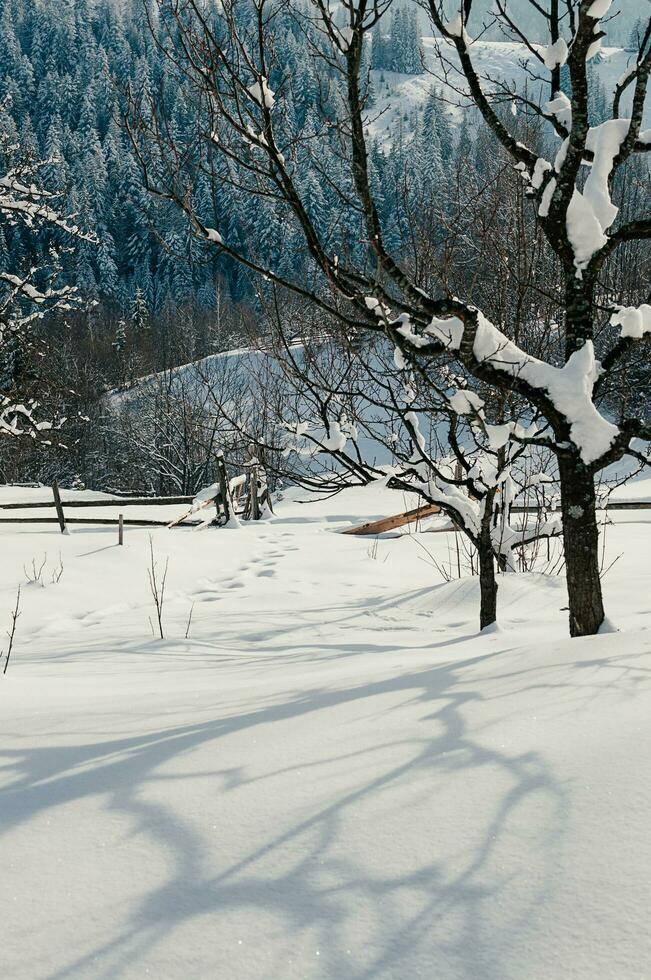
point(334, 777)
point(399, 98)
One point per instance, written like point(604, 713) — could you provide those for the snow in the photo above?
point(569, 387)
point(261, 93)
point(447, 330)
point(555, 54)
point(605, 142)
point(398, 359)
point(635, 321)
point(591, 212)
point(599, 9)
point(498, 435)
point(454, 27)
point(336, 440)
point(466, 402)
point(546, 199)
point(584, 230)
point(541, 167)
point(334, 776)
point(560, 107)
point(399, 97)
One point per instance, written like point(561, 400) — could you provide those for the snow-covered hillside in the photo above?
point(334, 777)
point(398, 98)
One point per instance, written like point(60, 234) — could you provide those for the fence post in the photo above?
point(59, 507)
point(120, 528)
point(222, 478)
point(255, 499)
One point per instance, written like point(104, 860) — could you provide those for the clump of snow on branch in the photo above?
point(590, 212)
point(561, 108)
point(569, 388)
point(308, 439)
point(466, 402)
point(448, 331)
point(584, 230)
point(261, 93)
point(555, 54)
point(635, 321)
point(456, 28)
point(605, 141)
point(599, 9)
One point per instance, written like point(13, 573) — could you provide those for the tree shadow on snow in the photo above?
point(450, 913)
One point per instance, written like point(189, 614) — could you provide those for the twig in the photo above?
point(37, 573)
point(14, 619)
point(157, 587)
point(611, 565)
point(187, 629)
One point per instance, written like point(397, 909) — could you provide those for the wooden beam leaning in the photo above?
point(398, 520)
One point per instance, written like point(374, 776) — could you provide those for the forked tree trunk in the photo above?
point(581, 543)
point(487, 578)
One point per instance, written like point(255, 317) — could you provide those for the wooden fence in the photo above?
point(61, 506)
point(226, 498)
point(251, 510)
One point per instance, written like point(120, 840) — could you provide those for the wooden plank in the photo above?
point(57, 504)
point(398, 520)
point(193, 510)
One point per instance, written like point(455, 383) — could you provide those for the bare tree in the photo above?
point(335, 417)
point(225, 57)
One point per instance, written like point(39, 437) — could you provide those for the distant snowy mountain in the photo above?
point(398, 99)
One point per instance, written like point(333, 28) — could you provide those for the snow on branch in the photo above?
point(635, 321)
point(261, 93)
point(555, 55)
point(568, 388)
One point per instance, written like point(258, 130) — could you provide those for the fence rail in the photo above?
point(117, 502)
point(613, 505)
point(115, 521)
point(62, 505)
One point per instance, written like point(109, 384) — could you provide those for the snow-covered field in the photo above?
point(334, 776)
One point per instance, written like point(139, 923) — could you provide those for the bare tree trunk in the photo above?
point(578, 498)
point(487, 579)
point(581, 542)
point(554, 24)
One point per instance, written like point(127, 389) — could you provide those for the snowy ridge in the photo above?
point(402, 95)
